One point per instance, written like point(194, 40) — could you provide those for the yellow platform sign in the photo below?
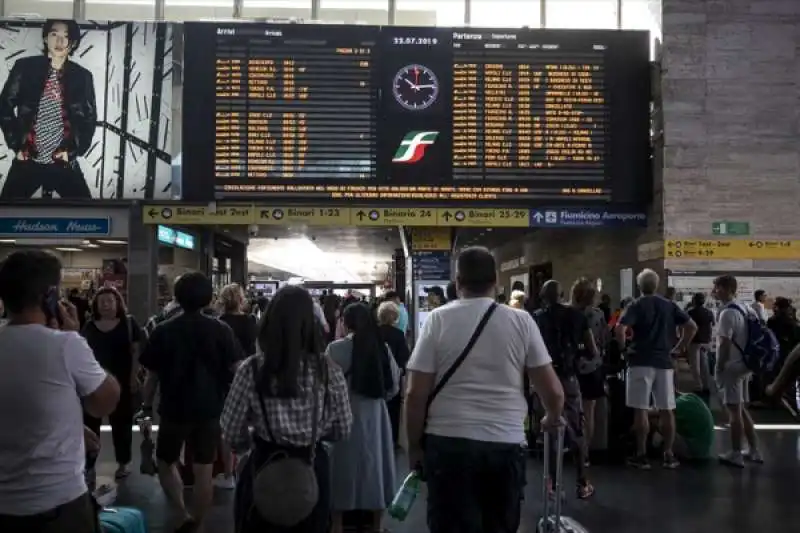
point(176, 214)
point(393, 216)
point(298, 215)
point(484, 218)
point(731, 249)
point(423, 239)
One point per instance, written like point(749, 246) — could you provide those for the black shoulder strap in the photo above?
point(468, 348)
point(254, 364)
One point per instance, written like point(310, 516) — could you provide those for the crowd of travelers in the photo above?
point(300, 404)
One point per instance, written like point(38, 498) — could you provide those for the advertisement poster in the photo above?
point(85, 110)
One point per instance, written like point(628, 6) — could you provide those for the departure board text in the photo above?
point(437, 193)
point(522, 107)
point(278, 107)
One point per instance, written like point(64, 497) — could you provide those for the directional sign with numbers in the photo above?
point(731, 249)
point(394, 216)
point(297, 215)
point(188, 215)
point(484, 218)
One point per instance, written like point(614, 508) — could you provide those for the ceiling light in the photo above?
point(7, 241)
point(91, 245)
point(67, 249)
point(111, 241)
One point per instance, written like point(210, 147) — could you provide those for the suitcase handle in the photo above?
point(555, 520)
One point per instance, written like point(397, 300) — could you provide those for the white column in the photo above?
point(542, 13)
point(159, 9)
point(79, 9)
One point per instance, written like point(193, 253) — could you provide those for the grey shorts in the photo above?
point(573, 410)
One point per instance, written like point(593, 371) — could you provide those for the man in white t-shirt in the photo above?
point(732, 374)
point(474, 458)
point(47, 372)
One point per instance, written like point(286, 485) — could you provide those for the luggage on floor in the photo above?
point(551, 520)
point(122, 520)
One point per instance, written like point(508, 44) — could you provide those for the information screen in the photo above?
point(522, 103)
point(289, 103)
point(503, 117)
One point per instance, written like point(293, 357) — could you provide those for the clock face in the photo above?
point(415, 87)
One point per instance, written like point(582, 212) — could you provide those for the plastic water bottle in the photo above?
point(404, 499)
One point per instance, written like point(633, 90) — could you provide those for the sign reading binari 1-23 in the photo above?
point(85, 110)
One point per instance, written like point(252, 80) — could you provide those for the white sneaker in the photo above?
point(225, 482)
point(732, 458)
point(754, 456)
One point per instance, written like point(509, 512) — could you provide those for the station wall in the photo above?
point(731, 73)
point(574, 253)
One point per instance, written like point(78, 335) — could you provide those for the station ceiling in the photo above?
point(325, 253)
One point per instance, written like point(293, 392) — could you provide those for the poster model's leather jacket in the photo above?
point(19, 104)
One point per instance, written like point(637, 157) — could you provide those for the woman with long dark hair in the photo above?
point(278, 396)
point(362, 468)
point(114, 336)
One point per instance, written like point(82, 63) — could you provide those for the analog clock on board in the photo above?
point(415, 87)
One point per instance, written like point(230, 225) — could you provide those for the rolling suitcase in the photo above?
point(555, 523)
point(122, 520)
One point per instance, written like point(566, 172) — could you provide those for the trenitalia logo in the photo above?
point(412, 147)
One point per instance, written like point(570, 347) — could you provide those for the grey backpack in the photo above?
point(285, 489)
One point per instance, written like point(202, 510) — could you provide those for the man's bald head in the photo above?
point(551, 291)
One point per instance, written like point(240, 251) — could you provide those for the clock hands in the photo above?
point(416, 87)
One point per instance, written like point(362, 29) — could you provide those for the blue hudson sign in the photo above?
point(590, 217)
point(54, 226)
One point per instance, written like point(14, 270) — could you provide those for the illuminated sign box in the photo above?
point(175, 238)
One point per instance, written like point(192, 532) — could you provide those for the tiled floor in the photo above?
point(697, 499)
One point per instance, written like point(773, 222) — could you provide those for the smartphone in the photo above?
point(50, 305)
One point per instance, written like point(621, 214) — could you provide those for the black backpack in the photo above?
point(559, 340)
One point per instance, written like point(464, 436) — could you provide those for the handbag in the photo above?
point(285, 489)
point(459, 360)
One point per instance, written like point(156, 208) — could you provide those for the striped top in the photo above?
point(49, 127)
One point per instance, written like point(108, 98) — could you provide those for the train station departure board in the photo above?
point(279, 99)
point(433, 115)
point(532, 105)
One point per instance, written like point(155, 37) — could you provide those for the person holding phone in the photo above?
point(49, 376)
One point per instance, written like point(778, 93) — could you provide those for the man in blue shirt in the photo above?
point(653, 320)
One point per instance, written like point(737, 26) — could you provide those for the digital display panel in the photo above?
point(305, 112)
point(533, 105)
point(288, 103)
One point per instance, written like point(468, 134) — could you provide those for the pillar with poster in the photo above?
point(431, 274)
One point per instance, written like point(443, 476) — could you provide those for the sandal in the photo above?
point(584, 491)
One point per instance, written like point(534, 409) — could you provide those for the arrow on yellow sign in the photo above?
point(732, 249)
